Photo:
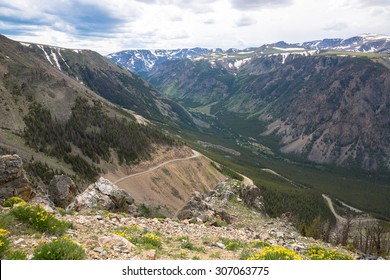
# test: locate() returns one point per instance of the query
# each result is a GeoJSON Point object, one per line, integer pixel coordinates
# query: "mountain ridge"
{"type": "Point", "coordinates": [142, 61]}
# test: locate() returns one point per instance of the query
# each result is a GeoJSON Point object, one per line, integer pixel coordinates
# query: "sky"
{"type": "Point", "coordinates": [108, 26]}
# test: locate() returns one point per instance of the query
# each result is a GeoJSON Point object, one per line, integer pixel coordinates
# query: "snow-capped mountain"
{"type": "Point", "coordinates": [142, 61]}
{"type": "Point", "coordinates": [363, 43]}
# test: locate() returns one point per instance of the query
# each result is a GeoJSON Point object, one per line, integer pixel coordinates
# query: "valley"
{"type": "Point", "coordinates": [325, 130]}
{"type": "Point", "coordinates": [261, 133]}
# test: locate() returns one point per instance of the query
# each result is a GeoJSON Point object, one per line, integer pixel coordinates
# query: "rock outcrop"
{"type": "Point", "coordinates": [104, 195]}
{"type": "Point", "coordinates": [195, 206]}
{"type": "Point", "coordinates": [13, 178]}
{"type": "Point", "coordinates": [207, 208]}
{"type": "Point", "coordinates": [62, 191]}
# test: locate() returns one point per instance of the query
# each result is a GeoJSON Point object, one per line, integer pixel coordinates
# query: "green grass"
{"type": "Point", "coordinates": [39, 219]}
{"type": "Point", "coordinates": [59, 249]}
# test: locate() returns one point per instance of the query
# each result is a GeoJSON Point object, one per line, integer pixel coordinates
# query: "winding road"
{"type": "Point", "coordinates": [195, 155]}
{"type": "Point", "coordinates": [330, 204]}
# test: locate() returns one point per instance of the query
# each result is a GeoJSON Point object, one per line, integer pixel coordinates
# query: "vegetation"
{"type": "Point", "coordinates": [62, 248]}
{"type": "Point", "coordinates": [232, 244]}
{"type": "Point", "coordinates": [319, 253]}
{"type": "Point", "coordinates": [276, 253]}
{"type": "Point", "coordinates": [227, 172]}
{"type": "Point", "coordinates": [10, 202]}
{"type": "Point", "coordinates": [187, 244]}
{"type": "Point", "coordinates": [140, 236]}
{"type": "Point", "coordinates": [39, 219]}
{"type": "Point", "coordinates": [94, 132]}
{"type": "Point", "coordinates": [4, 241]}
{"type": "Point", "coordinates": [16, 255]}
{"type": "Point", "coordinates": [38, 169]}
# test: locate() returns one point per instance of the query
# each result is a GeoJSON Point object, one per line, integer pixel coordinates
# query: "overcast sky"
{"type": "Point", "coordinates": [112, 25]}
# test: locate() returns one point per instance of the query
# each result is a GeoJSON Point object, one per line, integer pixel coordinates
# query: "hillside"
{"type": "Point", "coordinates": [55, 115]}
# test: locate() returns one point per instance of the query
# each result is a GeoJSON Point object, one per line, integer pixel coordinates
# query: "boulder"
{"type": "Point", "coordinates": [194, 207]}
{"type": "Point", "coordinates": [45, 203]}
{"type": "Point", "coordinates": [251, 196]}
{"type": "Point", "coordinates": [103, 195]}
{"type": "Point", "coordinates": [13, 178]}
{"type": "Point", "coordinates": [62, 191]}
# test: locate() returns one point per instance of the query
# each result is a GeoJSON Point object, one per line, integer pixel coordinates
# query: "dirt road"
{"type": "Point", "coordinates": [195, 155]}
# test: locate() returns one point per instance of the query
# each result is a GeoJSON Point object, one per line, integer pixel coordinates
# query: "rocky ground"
{"type": "Point", "coordinates": [228, 223]}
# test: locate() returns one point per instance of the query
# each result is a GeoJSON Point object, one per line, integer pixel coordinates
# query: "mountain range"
{"type": "Point", "coordinates": [142, 61]}
{"type": "Point", "coordinates": [326, 100]}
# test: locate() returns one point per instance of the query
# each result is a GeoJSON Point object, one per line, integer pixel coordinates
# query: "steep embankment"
{"type": "Point", "coordinates": [167, 185]}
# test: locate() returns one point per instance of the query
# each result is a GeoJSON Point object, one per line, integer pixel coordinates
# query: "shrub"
{"type": "Point", "coordinates": [151, 241]}
{"type": "Point", "coordinates": [139, 236]}
{"type": "Point", "coordinates": [16, 255]}
{"type": "Point", "coordinates": [319, 253]}
{"type": "Point", "coordinates": [232, 244]}
{"type": "Point", "coordinates": [275, 253]}
{"type": "Point", "coordinates": [218, 222]}
{"type": "Point", "coordinates": [10, 202]}
{"type": "Point", "coordinates": [4, 242]}
{"type": "Point", "coordinates": [260, 244]}
{"type": "Point", "coordinates": [38, 218]}
{"type": "Point", "coordinates": [59, 249]}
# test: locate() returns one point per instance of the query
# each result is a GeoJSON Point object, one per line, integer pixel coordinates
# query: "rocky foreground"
{"type": "Point", "coordinates": [228, 223]}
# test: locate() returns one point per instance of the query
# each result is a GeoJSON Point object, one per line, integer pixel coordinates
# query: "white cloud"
{"type": "Point", "coordinates": [107, 26]}
{"type": "Point", "coordinates": [245, 21]}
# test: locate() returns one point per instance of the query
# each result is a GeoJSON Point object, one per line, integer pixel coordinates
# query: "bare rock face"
{"type": "Point", "coordinates": [62, 191]}
{"type": "Point", "coordinates": [195, 207]}
{"type": "Point", "coordinates": [207, 208]}
{"type": "Point", "coordinates": [104, 195]}
{"type": "Point", "coordinates": [13, 179]}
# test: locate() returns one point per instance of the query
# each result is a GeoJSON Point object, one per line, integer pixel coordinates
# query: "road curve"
{"type": "Point", "coordinates": [195, 155]}
{"type": "Point", "coordinates": [330, 204]}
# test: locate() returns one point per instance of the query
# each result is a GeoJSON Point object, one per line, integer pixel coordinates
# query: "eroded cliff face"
{"type": "Point", "coordinates": [339, 113]}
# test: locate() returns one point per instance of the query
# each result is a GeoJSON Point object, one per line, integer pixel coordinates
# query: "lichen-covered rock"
{"type": "Point", "coordinates": [62, 190]}
{"type": "Point", "coordinates": [104, 195]}
{"type": "Point", "coordinates": [13, 178]}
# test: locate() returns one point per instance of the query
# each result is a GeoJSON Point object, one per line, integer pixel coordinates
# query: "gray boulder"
{"type": "Point", "coordinates": [194, 207]}
{"type": "Point", "coordinates": [251, 196]}
{"type": "Point", "coordinates": [104, 195]}
{"type": "Point", "coordinates": [62, 190]}
{"type": "Point", "coordinates": [13, 178]}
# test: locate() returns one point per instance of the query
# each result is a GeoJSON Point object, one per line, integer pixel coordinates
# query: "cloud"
{"type": "Point", "coordinates": [209, 21]}
{"type": "Point", "coordinates": [176, 18]}
{"type": "Point", "coordinates": [255, 4]}
{"type": "Point", "coordinates": [245, 21]}
{"type": "Point", "coordinates": [147, 1]}
{"type": "Point", "coordinates": [198, 7]}
{"type": "Point", "coordinates": [337, 26]}
{"type": "Point", "coordinates": [374, 2]}
{"type": "Point", "coordinates": [86, 19]}
{"type": "Point", "coordinates": [79, 18]}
